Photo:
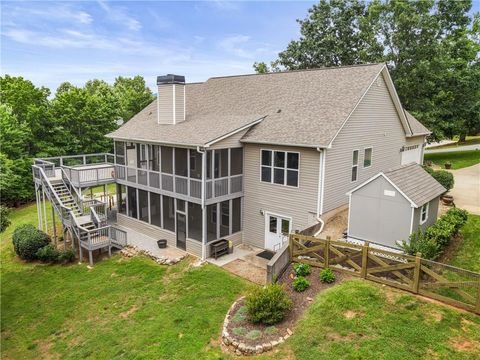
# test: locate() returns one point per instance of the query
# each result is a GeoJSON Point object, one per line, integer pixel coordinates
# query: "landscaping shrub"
{"type": "Point", "coordinates": [327, 276]}
{"type": "Point", "coordinates": [48, 254]}
{"type": "Point", "coordinates": [301, 269]}
{"type": "Point", "coordinates": [300, 284]}
{"type": "Point", "coordinates": [433, 241]}
{"type": "Point", "coordinates": [445, 178]}
{"type": "Point", "coordinates": [268, 305]}
{"type": "Point", "coordinates": [27, 240]}
{"type": "Point", "coordinates": [4, 218]}
{"type": "Point", "coordinates": [66, 257]}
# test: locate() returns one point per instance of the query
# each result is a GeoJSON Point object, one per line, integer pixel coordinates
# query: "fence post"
{"type": "Point", "coordinates": [477, 305]}
{"type": "Point", "coordinates": [364, 260]}
{"type": "Point", "coordinates": [327, 252]}
{"type": "Point", "coordinates": [416, 272]}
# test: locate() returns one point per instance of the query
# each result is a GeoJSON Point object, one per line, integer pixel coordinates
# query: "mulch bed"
{"type": "Point", "coordinates": [251, 334]}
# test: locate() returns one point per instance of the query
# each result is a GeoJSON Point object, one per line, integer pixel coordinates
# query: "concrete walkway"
{"type": "Point", "coordinates": [466, 191]}
{"type": "Point", "coordinates": [453, 149]}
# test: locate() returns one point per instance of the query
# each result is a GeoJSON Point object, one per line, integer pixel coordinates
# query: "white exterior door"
{"type": "Point", "coordinates": [277, 229]}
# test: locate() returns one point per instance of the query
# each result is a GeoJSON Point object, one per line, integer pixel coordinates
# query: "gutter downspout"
{"type": "Point", "coordinates": [204, 213]}
{"type": "Point", "coordinates": [320, 194]}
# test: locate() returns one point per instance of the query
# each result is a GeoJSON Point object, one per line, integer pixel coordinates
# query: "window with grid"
{"type": "Point", "coordinates": [367, 157]}
{"type": "Point", "coordinates": [280, 167]}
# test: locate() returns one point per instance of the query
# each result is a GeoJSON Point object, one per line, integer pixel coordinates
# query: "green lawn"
{"type": "Point", "coordinates": [459, 159]}
{"type": "Point", "coordinates": [359, 320]}
{"type": "Point", "coordinates": [134, 308]}
{"type": "Point", "coordinates": [467, 255]}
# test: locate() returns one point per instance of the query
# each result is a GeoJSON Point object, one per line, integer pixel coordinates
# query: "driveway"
{"type": "Point", "coordinates": [466, 191]}
{"type": "Point", "coordinates": [453, 149]}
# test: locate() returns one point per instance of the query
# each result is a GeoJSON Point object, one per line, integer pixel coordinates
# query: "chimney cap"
{"type": "Point", "coordinates": [170, 79]}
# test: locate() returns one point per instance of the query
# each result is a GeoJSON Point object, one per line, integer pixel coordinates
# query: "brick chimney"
{"type": "Point", "coordinates": [171, 99]}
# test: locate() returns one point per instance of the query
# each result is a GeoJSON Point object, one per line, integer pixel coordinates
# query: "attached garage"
{"type": "Point", "coordinates": [388, 207]}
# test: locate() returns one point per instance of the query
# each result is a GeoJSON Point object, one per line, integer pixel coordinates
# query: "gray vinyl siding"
{"type": "Point", "coordinates": [432, 215]}
{"type": "Point", "coordinates": [232, 141]}
{"type": "Point", "coordinates": [165, 104]}
{"type": "Point", "coordinates": [376, 217]}
{"type": "Point", "coordinates": [297, 203]}
{"type": "Point", "coordinates": [374, 123]}
{"type": "Point", "coordinates": [194, 247]}
{"type": "Point", "coordinates": [236, 239]}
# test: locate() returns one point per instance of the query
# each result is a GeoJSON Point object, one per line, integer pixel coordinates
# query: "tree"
{"type": "Point", "coordinates": [14, 135]}
{"type": "Point", "coordinates": [133, 95]}
{"type": "Point", "coordinates": [431, 48]}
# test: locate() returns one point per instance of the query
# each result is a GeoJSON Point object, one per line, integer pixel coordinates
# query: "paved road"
{"type": "Point", "coordinates": [466, 191]}
{"type": "Point", "coordinates": [460, 148]}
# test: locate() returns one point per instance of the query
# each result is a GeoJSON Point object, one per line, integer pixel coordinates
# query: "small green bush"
{"type": "Point", "coordinates": [253, 334]}
{"type": "Point", "coordinates": [66, 257]}
{"type": "Point", "coordinates": [4, 218]}
{"type": "Point", "coordinates": [271, 330]}
{"type": "Point", "coordinates": [300, 284]}
{"type": "Point", "coordinates": [327, 276]}
{"type": "Point", "coordinates": [301, 269]}
{"type": "Point", "coordinates": [48, 254]}
{"type": "Point", "coordinates": [27, 240]}
{"type": "Point", "coordinates": [419, 243]}
{"type": "Point", "coordinates": [268, 305]}
{"type": "Point", "coordinates": [239, 331]}
{"type": "Point", "coordinates": [445, 178]}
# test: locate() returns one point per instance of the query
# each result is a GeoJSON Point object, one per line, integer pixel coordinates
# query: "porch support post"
{"type": "Point", "coordinates": [204, 209]}
{"type": "Point", "coordinates": [45, 211]}
{"type": "Point", "coordinates": [54, 227]}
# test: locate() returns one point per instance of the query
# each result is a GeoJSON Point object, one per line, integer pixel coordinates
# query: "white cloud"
{"type": "Point", "coordinates": [232, 44]}
{"type": "Point", "coordinates": [62, 13]}
{"type": "Point", "coordinates": [120, 16]}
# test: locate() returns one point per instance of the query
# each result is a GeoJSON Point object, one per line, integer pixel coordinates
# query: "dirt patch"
{"type": "Point", "coordinates": [334, 336]}
{"type": "Point", "coordinates": [349, 314]}
{"type": "Point", "coordinates": [44, 347]}
{"type": "Point", "coordinates": [240, 328]}
{"type": "Point", "coordinates": [466, 324]}
{"type": "Point", "coordinates": [247, 271]}
{"type": "Point", "coordinates": [335, 226]}
{"type": "Point", "coordinates": [463, 345]}
{"type": "Point", "coordinates": [436, 316]}
{"type": "Point", "coordinates": [451, 250]}
{"type": "Point", "coordinates": [129, 312]}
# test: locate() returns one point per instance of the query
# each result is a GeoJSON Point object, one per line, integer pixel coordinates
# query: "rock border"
{"type": "Point", "coordinates": [238, 346]}
{"type": "Point", "coordinates": [130, 251]}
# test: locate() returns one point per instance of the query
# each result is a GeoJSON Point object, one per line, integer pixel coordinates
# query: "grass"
{"type": "Point", "coordinates": [360, 320]}
{"type": "Point", "coordinates": [458, 159]}
{"type": "Point", "coordinates": [468, 253]}
{"type": "Point", "coordinates": [470, 140]}
{"type": "Point", "coordinates": [134, 308]}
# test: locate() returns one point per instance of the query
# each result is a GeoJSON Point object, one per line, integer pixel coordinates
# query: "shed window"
{"type": "Point", "coordinates": [280, 167]}
{"type": "Point", "coordinates": [355, 165]}
{"type": "Point", "coordinates": [424, 213]}
{"type": "Point", "coordinates": [367, 157]}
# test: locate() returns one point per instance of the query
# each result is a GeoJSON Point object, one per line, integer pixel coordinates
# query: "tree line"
{"type": "Point", "coordinates": [431, 48]}
{"type": "Point", "coordinates": [73, 121]}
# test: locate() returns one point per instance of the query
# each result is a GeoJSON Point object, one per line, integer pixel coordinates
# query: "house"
{"type": "Point", "coordinates": [391, 205]}
{"type": "Point", "coordinates": [251, 158]}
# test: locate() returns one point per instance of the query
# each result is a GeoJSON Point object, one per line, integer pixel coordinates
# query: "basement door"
{"type": "Point", "coordinates": [277, 229]}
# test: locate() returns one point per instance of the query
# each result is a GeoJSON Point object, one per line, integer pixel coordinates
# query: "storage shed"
{"type": "Point", "coordinates": [391, 205]}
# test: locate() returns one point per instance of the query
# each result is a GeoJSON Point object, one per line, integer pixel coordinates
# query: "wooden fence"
{"type": "Point", "coordinates": [442, 282]}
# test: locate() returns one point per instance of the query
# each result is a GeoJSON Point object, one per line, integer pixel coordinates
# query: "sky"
{"type": "Point", "coordinates": [51, 42]}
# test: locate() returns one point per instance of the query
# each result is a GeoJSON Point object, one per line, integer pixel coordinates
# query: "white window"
{"type": "Point", "coordinates": [367, 157]}
{"type": "Point", "coordinates": [280, 167]}
{"type": "Point", "coordinates": [355, 165]}
{"type": "Point", "coordinates": [424, 213]}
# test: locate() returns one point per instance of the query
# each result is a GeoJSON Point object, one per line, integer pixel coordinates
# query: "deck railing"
{"type": "Point", "coordinates": [180, 184]}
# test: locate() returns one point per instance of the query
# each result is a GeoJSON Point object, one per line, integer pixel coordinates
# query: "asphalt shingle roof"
{"type": "Point", "coordinates": [418, 185]}
{"type": "Point", "coordinates": [304, 108]}
{"type": "Point", "coordinates": [416, 126]}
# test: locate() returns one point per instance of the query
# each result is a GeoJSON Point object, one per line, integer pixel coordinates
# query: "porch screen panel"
{"type": "Point", "coordinates": [154, 157]}
{"type": "Point", "coordinates": [122, 199]}
{"type": "Point", "coordinates": [155, 209]}
{"type": "Point", "coordinates": [168, 213]}
{"type": "Point", "coordinates": [195, 164]}
{"type": "Point", "coordinates": [211, 222]}
{"type": "Point", "coordinates": [132, 202]}
{"type": "Point", "coordinates": [167, 159]}
{"type": "Point", "coordinates": [225, 218]}
{"type": "Point", "coordinates": [236, 161]}
{"type": "Point", "coordinates": [181, 162]}
{"type": "Point", "coordinates": [143, 205]}
{"type": "Point", "coordinates": [221, 163]}
{"type": "Point", "coordinates": [120, 152]}
{"type": "Point", "coordinates": [142, 156]}
{"type": "Point", "coordinates": [236, 215]}
{"type": "Point", "coordinates": [194, 221]}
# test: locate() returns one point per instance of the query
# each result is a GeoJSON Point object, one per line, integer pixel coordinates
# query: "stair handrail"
{"type": "Point", "coordinates": [79, 195]}
{"type": "Point", "coordinates": [94, 217]}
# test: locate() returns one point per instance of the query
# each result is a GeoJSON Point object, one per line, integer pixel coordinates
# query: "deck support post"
{"type": "Point", "coordinates": [45, 211]}
{"type": "Point", "coordinates": [80, 252]}
{"type": "Point", "coordinates": [54, 227]}
{"type": "Point", "coordinates": [90, 257]}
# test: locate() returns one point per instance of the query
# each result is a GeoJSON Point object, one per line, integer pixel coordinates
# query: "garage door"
{"type": "Point", "coordinates": [412, 153]}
